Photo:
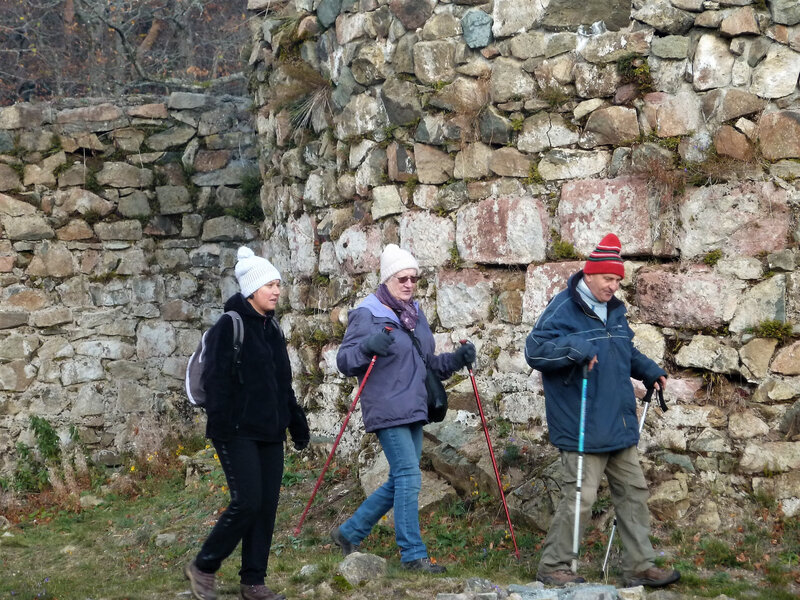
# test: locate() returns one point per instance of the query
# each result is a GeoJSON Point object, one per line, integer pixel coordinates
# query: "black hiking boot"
{"type": "Point", "coordinates": [346, 545]}
{"type": "Point", "coordinates": [424, 565]}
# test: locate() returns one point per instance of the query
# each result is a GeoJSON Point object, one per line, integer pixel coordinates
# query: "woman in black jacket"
{"type": "Point", "coordinates": [249, 407]}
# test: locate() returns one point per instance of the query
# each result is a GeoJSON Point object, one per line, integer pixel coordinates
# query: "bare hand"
{"type": "Point", "coordinates": [661, 382]}
{"type": "Point", "coordinates": [593, 362]}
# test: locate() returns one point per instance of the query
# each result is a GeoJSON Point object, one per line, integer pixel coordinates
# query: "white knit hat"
{"type": "Point", "coordinates": [253, 271]}
{"type": "Point", "coordinates": [394, 259]}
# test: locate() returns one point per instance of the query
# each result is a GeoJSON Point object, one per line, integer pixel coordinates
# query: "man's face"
{"type": "Point", "coordinates": [602, 285]}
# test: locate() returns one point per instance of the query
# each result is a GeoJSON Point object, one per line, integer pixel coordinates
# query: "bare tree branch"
{"type": "Point", "coordinates": [79, 47]}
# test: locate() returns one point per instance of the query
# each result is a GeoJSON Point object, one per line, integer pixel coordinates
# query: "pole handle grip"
{"type": "Point", "coordinates": [469, 365]}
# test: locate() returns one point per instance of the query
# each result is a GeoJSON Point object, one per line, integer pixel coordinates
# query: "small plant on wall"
{"type": "Point", "coordinates": [562, 249]}
{"type": "Point", "coordinates": [712, 258]}
{"type": "Point", "coordinates": [775, 329]}
{"type": "Point", "coordinates": [304, 92]}
{"type": "Point", "coordinates": [635, 69]}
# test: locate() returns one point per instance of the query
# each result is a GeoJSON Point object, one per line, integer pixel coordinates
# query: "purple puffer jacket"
{"type": "Point", "coordinates": [395, 391]}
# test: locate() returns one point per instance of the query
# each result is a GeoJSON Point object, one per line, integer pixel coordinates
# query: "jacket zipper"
{"type": "Point", "coordinates": [246, 397]}
{"type": "Point", "coordinates": [266, 323]}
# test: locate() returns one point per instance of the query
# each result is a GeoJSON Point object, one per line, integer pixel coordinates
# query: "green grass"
{"type": "Point", "coordinates": [59, 551]}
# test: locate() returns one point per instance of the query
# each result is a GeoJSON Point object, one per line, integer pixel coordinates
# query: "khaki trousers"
{"type": "Point", "coordinates": [628, 494]}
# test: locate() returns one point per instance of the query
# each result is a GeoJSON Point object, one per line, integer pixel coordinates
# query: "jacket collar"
{"type": "Point", "coordinates": [572, 285]}
{"type": "Point", "coordinates": [240, 304]}
{"type": "Point", "coordinates": [380, 310]}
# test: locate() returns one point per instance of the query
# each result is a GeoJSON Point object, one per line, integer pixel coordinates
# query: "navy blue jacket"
{"type": "Point", "coordinates": [260, 404]}
{"type": "Point", "coordinates": [567, 336]}
{"type": "Point", "coordinates": [395, 390]}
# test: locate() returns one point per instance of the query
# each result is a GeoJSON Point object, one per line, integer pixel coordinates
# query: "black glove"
{"type": "Point", "coordinates": [651, 382]}
{"type": "Point", "coordinates": [298, 427]}
{"type": "Point", "coordinates": [466, 354]}
{"type": "Point", "coordinates": [377, 344]}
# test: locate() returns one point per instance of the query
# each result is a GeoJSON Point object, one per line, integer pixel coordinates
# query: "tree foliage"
{"type": "Point", "coordinates": [116, 47]}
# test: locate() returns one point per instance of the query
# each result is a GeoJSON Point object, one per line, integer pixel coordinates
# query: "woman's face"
{"type": "Point", "coordinates": [266, 297]}
{"type": "Point", "coordinates": [402, 284]}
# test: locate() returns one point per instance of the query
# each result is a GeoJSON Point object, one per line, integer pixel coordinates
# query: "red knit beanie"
{"type": "Point", "coordinates": [606, 258]}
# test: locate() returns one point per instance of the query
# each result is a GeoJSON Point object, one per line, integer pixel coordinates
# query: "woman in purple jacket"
{"type": "Point", "coordinates": [394, 400]}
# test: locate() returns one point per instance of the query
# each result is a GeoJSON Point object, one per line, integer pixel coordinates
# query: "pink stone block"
{"type": "Point", "coordinates": [696, 298]}
{"type": "Point", "coordinates": [591, 208]}
{"type": "Point", "coordinates": [505, 230]}
{"type": "Point", "coordinates": [542, 282]}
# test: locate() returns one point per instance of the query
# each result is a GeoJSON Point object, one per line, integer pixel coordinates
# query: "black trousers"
{"type": "Point", "coordinates": [254, 471]}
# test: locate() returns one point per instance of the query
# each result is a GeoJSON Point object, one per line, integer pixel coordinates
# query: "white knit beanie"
{"type": "Point", "coordinates": [253, 271]}
{"type": "Point", "coordinates": [394, 259]}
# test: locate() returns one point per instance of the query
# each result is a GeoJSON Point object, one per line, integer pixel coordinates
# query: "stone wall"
{"type": "Point", "coordinates": [119, 231]}
{"type": "Point", "coordinates": [499, 142]}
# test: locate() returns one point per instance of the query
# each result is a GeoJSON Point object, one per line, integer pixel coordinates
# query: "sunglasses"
{"type": "Point", "coordinates": [413, 278]}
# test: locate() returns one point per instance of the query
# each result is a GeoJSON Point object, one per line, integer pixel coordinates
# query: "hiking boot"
{"type": "Point", "coordinates": [559, 577]}
{"type": "Point", "coordinates": [258, 592]}
{"type": "Point", "coordinates": [423, 565]}
{"type": "Point", "coordinates": [203, 584]}
{"type": "Point", "coordinates": [653, 577]}
{"type": "Point", "coordinates": [346, 545]}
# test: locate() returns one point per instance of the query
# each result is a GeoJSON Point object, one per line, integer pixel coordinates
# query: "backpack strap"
{"type": "Point", "coordinates": [275, 324]}
{"type": "Point", "coordinates": [238, 340]}
{"type": "Point", "coordinates": [416, 343]}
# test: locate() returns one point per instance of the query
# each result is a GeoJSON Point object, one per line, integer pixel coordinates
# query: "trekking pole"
{"type": "Point", "coordinates": [491, 453]}
{"type": "Point", "coordinates": [579, 479]}
{"type": "Point", "coordinates": [338, 438]}
{"type": "Point", "coordinates": [646, 401]}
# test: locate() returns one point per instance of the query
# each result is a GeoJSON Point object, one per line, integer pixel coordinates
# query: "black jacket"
{"type": "Point", "coordinates": [254, 401]}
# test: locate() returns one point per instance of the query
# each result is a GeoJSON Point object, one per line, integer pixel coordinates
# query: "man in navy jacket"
{"type": "Point", "coordinates": [585, 324]}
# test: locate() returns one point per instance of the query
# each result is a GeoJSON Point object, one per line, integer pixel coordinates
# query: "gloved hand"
{"type": "Point", "coordinates": [661, 380]}
{"type": "Point", "coordinates": [298, 427]}
{"type": "Point", "coordinates": [466, 354]}
{"type": "Point", "coordinates": [377, 343]}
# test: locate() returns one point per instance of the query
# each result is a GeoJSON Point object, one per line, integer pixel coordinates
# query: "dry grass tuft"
{"type": "Point", "coordinates": [303, 91]}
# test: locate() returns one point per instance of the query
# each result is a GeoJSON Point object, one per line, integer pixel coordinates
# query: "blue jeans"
{"type": "Point", "coordinates": [403, 447]}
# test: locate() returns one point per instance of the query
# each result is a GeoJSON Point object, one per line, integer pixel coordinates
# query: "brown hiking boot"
{"type": "Point", "coordinates": [653, 577]}
{"type": "Point", "coordinates": [559, 577]}
{"type": "Point", "coordinates": [258, 592]}
{"type": "Point", "coordinates": [203, 584]}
